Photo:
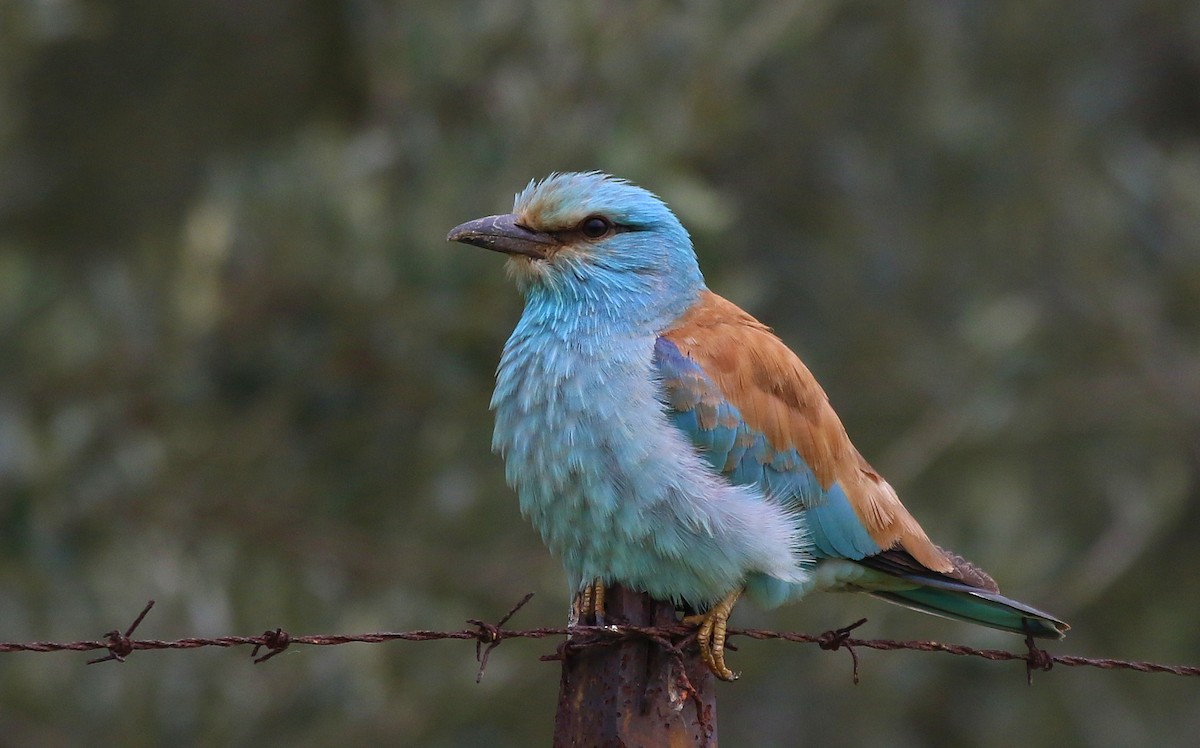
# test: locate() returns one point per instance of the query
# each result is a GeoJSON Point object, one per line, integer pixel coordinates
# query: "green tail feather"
{"type": "Point", "coordinates": [965, 603]}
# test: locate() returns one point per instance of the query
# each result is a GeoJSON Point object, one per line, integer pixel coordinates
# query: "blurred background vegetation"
{"type": "Point", "coordinates": [242, 373]}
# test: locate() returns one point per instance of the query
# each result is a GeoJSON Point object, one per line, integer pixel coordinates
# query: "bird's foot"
{"type": "Point", "coordinates": [588, 606]}
{"type": "Point", "coordinates": [711, 636]}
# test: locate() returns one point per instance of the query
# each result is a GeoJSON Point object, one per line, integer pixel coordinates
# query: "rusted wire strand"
{"type": "Point", "coordinates": [488, 636]}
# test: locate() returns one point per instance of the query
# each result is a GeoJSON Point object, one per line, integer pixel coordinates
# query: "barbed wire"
{"type": "Point", "coordinates": [487, 636]}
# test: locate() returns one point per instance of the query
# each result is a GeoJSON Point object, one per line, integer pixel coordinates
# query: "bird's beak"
{"type": "Point", "coordinates": [503, 234]}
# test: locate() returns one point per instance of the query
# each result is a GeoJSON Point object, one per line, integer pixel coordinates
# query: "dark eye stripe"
{"type": "Point", "coordinates": [593, 227]}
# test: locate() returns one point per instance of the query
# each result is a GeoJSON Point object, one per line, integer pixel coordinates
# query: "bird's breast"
{"type": "Point", "coordinates": [616, 491]}
{"type": "Point", "coordinates": [568, 414]}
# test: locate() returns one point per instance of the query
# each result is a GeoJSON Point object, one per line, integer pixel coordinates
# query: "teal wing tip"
{"type": "Point", "coordinates": [1036, 623]}
{"type": "Point", "coordinates": [956, 601]}
{"type": "Point", "coordinates": [1046, 628]}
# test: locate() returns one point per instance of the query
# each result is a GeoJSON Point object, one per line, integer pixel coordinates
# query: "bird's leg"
{"type": "Point", "coordinates": [589, 603]}
{"type": "Point", "coordinates": [711, 637]}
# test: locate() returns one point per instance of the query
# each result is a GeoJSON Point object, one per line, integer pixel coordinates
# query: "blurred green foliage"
{"type": "Point", "coordinates": [242, 373]}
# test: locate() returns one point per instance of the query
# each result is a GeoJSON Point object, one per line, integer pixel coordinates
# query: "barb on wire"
{"type": "Point", "coordinates": [832, 641]}
{"type": "Point", "coordinates": [1036, 658]}
{"type": "Point", "coordinates": [673, 639]}
{"type": "Point", "coordinates": [119, 646]}
{"type": "Point", "coordinates": [492, 634]}
{"type": "Point", "coordinates": [275, 641]}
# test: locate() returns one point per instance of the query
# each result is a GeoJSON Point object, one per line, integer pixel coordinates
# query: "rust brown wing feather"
{"type": "Point", "coordinates": [779, 397]}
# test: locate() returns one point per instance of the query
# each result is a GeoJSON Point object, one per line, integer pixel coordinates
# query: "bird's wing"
{"type": "Point", "coordinates": [757, 414]}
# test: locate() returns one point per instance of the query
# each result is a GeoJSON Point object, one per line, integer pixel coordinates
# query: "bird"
{"type": "Point", "coordinates": [661, 438]}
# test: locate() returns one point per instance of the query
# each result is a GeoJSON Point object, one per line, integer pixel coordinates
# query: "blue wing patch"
{"type": "Point", "coordinates": [715, 426]}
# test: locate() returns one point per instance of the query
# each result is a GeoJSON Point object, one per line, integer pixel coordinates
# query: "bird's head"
{"type": "Point", "coordinates": [574, 232]}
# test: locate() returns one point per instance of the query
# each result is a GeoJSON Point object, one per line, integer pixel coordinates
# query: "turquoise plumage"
{"type": "Point", "coordinates": [661, 438]}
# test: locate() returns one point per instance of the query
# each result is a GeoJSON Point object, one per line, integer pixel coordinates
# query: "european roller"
{"type": "Point", "coordinates": [661, 438]}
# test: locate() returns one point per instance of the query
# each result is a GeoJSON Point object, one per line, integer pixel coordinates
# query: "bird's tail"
{"type": "Point", "coordinates": [980, 602]}
{"type": "Point", "coordinates": [977, 606]}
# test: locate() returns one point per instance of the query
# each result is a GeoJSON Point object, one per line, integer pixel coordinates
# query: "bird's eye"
{"type": "Point", "coordinates": [594, 227]}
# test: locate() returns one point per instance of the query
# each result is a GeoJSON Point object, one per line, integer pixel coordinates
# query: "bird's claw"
{"type": "Point", "coordinates": [588, 605]}
{"type": "Point", "coordinates": [711, 636]}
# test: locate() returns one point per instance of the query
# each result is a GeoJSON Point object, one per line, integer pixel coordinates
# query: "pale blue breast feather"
{"type": "Point", "coordinates": [716, 427]}
{"type": "Point", "coordinates": [616, 491]}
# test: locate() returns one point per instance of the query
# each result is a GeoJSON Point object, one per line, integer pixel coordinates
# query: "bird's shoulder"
{"type": "Point", "coordinates": [777, 396]}
{"type": "Point", "coordinates": [775, 392]}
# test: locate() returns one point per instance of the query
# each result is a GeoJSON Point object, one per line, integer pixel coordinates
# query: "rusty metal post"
{"type": "Point", "coordinates": [631, 693]}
